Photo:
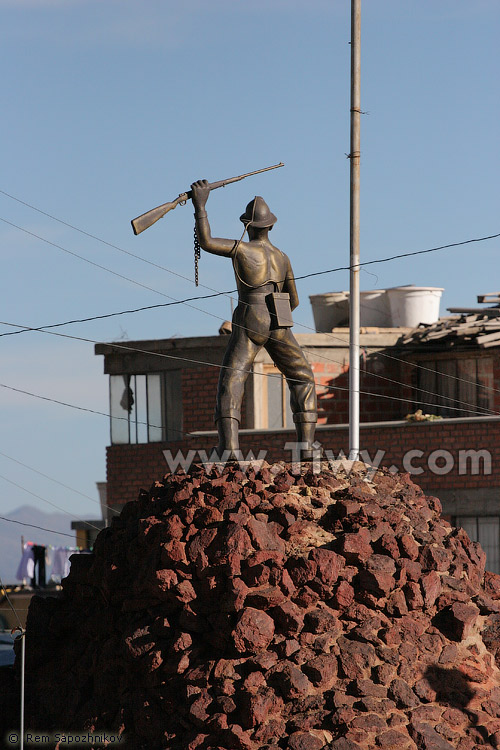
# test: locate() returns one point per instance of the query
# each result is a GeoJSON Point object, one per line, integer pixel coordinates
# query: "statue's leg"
{"type": "Point", "coordinates": [291, 361]}
{"type": "Point", "coordinates": [236, 365]}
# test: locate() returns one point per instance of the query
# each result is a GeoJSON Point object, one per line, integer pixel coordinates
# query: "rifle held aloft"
{"type": "Point", "coordinates": [144, 221]}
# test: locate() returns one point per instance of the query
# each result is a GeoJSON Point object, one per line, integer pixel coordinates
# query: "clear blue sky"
{"type": "Point", "coordinates": [110, 108]}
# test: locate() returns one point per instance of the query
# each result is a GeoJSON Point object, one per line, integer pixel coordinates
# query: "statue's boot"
{"type": "Point", "coordinates": [227, 427]}
{"type": "Point", "coordinates": [305, 427]}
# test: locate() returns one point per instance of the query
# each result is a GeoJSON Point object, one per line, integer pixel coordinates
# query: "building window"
{"type": "Point", "coordinates": [486, 531]}
{"type": "Point", "coordinates": [276, 411]}
{"type": "Point", "coordinates": [443, 383]}
{"type": "Point", "coordinates": [146, 408]}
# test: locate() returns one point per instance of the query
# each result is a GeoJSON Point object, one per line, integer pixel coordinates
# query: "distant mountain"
{"type": "Point", "coordinates": [10, 536]}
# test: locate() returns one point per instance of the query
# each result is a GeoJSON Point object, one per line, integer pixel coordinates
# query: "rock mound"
{"type": "Point", "coordinates": [263, 609]}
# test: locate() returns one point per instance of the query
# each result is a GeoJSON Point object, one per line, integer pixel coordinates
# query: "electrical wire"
{"type": "Point", "coordinates": [221, 367]}
{"type": "Point", "coordinates": [216, 294]}
{"type": "Point", "coordinates": [322, 356]}
{"type": "Point", "coordinates": [49, 502]}
{"type": "Point", "coordinates": [56, 481]}
{"type": "Point", "coordinates": [297, 278]}
{"type": "Point", "coordinates": [484, 410]}
{"type": "Point", "coordinates": [33, 526]}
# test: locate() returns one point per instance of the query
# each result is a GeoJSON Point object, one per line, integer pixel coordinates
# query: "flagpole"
{"type": "Point", "coordinates": [354, 257]}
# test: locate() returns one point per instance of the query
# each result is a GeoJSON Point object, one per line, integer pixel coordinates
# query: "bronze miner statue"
{"type": "Point", "coordinates": [266, 296]}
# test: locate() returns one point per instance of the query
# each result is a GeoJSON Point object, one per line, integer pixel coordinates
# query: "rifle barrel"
{"type": "Point", "coordinates": [223, 183]}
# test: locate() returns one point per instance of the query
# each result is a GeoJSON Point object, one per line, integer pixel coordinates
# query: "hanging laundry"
{"type": "Point", "coordinates": [26, 567]}
{"type": "Point", "coordinates": [61, 563]}
{"type": "Point", "coordinates": [39, 560]}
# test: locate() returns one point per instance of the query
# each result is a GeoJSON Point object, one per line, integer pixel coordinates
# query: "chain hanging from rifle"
{"type": "Point", "coordinates": [197, 255]}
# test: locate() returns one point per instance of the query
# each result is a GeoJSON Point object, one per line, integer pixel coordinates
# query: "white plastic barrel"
{"type": "Point", "coordinates": [374, 309]}
{"type": "Point", "coordinates": [411, 305]}
{"type": "Point", "coordinates": [330, 310]}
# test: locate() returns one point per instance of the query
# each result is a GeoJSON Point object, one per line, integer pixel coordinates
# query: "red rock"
{"type": "Point", "coordinates": [321, 670]}
{"type": "Point", "coordinates": [288, 617]}
{"type": "Point", "coordinates": [387, 544]}
{"type": "Point", "coordinates": [393, 740]}
{"type": "Point", "coordinates": [377, 583]}
{"type": "Point", "coordinates": [166, 579]}
{"type": "Point", "coordinates": [367, 688]}
{"type": "Point", "coordinates": [356, 658]}
{"type": "Point", "coordinates": [184, 591]}
{"type": "Point", "coordinates": [301, 570]}
{"type": "Point", "coordinates": [321, 621]}
{"type": "Point", "coordinates": [434, 557]}
{"type": "Point", "coordinates": [492, 584]}
{"type": "Point", "coordinates": [233, 599]}
{"type": "Point", "coordinates": [200, 542]}
{"type": "Point", "coordinates": [328, 563]}
{"type": "Point", "coordinates": [304, 741]}
{"type": "Point", "coordinates": [427, 738]}
{"type": "Point", "coordinates": [344, 595]}
{"type": "Point", "coordinates": [286, 583]}
{"type": "Point", "coordinates": [381, 564]}
{"type": "Point", "coordinates": [173, 552]}
{"type": "Point", "coordinates": [431, 585]}
{"type": "Point", "coordinates": [409, 547]}
{"type": "Point", "coordinates": [412, 569]}
{"type": "Point", "coordinates": [464, 619]}
{"type": "Point", "coordinates": [254, 630]}
{"type": "Point", "coordinates": [402, 694]}
{"type": "Point", "coordinates": [257, 707]}
{"type": "Point", "coordinates": [413, 595]}
{"type": "Point", "coordinates": [305, 597]}
{"type": "Point", "coordinates": [273, 729]}
{"type": "Point", "coordinates": [370, 723]}
{"type": "Point", "coordinates": [237, 739]}
{"type": "Point", "coordinates": [356, 547]}
{"type": "Point", "coordinates": [198, 709]}
{"type": "Point", "coordinates": [264, 536]}
{"type": "Point", "coordinates": [345, 744]}
{"type": "Point", "coordinates": [424, 691]}
{"type": "Point", "coordinates": [264, 597]}
{"type": "Point", "coordinates": [287, 648]}
{"type": "Point", "coordinates": [290, 681]}
{"type": "Point", "coordinates": [257, 575]}
{"type": "Point", "coordinates": [396, 604]}
{"type": "Point", "coordinates": [384, 673]}
{"type": "Point", "coordinates": [236, 540]}
{"type": "Point", "coordinates": [207, 516]}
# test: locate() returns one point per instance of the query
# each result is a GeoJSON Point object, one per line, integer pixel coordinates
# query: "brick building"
{"type": "Point", "coordinates": [162, 396]}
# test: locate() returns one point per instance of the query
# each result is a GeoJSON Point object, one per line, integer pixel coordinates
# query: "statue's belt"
{"type": "Point", "coordinates": [278, 304]}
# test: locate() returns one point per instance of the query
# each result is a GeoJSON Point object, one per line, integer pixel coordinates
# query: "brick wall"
{"type": "Point", "coordinates": [132, 467]}
{"type": "Point", "coordinates": [382, 395]}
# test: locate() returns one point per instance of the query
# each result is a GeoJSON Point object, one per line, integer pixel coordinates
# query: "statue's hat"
{"type": "Point", "coordinates": [257, 214]}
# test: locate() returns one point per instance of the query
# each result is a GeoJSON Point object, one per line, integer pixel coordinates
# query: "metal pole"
{"type": "Point", "coordinates": [23, 668]}
{"type": "Point", "coordinates": [354, 319]}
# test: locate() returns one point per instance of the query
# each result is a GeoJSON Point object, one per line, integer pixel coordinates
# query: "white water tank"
{"type": "Point", "coordinates": [410, 305]}
{"type": "Point", "coordinates": [330, 310]}
{"type": "Point", "coordinates": [374, 309]}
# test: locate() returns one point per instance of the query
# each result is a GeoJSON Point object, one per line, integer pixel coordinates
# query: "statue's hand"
{"type": "Point", "coordinates": [200, 192]}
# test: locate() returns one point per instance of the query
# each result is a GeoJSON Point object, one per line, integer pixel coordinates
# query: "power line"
{"type": "Point", "coordinates": [219, 366]}
{"type": "Point", "coordinates": [484, 410]}
{"type": "Point", "coordinates": [297, 278]}
{"type": "Point", "coordinates": [43, 499]}
{"type": "Point", "coordinates": [56, 481]}
{"type": "Point", "coordinates": [99, 239]}
{"type": "Point", "coordinates": [216, 294]}
{"type": "Point", "coordinates": [33, 526]}
{"type": "Point", "coordinates": [327, 359]}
